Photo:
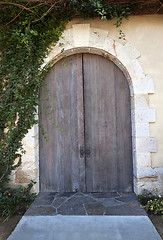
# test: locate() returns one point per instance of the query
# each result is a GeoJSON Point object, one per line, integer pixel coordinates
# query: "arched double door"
{"type": "Point", "coordinates": [85, 114]}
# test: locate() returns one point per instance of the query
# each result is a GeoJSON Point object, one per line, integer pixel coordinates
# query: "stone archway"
{"type": "Point", "coordinates": [81, 37]}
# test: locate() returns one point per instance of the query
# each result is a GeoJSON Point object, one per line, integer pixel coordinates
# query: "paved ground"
{"type": "Point", "coordinates": [86, 204]}
{"type": "Point", "coordinates": [85, 216]}
{"type": "Point", "coordinates": [85, 228]}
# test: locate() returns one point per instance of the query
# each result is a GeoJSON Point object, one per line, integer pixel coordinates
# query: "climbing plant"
{"type": "Point", "coordinates": [28, 29]}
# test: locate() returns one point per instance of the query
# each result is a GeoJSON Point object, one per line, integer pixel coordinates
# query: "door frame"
{"type": "Point", "coordinates": [140, 84]}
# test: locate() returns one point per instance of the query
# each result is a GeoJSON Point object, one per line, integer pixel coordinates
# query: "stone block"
{"type": "Point", "coordinates": [147, 187]}
{"type": "Point", "coordinates": [144, 86]}
{"type": "Point", "coordinates": [28, 142]}
{"type": "Point", "coordinates": [24, 176]}
{"type": "Point", "coordinates": [97, 37]}
{"type": "Point", "coordinates": [140, 101]}
{"type": "Point", "coordinates": [135, 70]}
{"type": "Point", "coordinates": [112, 46]}
{"type": "Point", "coordinates": [131, 51]}
{"type": "Point", "coordinates": [67, 40]}
{"type": "Point", "coordinates": [81, 34]}
{"type": "Point", "coordinates": [127, 53]}
{"type": "Point", "coordinates": [147, 173]}
{"type": "Point", "coordinates": [143, 160]}
{"type": "Point", "coordinates": [143, 115]}
{"type": "Point", "coordinates": [140, 129]}
{"type": "Point", "coordinates": [145, 145]}
{"type": "Point", "coordinates": [28, 164]}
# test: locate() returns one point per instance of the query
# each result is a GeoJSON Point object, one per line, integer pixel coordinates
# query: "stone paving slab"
{"type": "Point", "coordinates": [85, 228]}
{"type": "Point", "coordinates": [51, 203]}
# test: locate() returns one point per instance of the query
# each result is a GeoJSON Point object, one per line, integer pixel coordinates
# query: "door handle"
{"type": "Point", "coordinates": [82, 152]}
{"type": "Point", "coordinates": [87, 153]}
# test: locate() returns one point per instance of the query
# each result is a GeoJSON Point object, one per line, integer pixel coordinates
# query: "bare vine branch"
{"type": "Point", "coordinates": [161, 5]}
{"type": "Point", "coordinates": [16, 16]}
{"type": "Point", "coordinates": [17, 5]}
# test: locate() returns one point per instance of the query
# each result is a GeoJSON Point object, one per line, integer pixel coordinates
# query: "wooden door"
{"type": "Point", "coordinates": [90, 101]}
{"type": "Point", "coordinates": [107, 126]}
{"type": "Point", "coordinates": [61, 117]}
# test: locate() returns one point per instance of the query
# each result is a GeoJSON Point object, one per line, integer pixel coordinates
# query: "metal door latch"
{"type": "Point", "coordinates": [87, 153]}
{"type": "Point", "coordinates": [82, 152]}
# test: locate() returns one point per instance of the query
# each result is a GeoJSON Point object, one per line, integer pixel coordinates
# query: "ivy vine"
{"type": "Point", "coordinates": [27, 31]}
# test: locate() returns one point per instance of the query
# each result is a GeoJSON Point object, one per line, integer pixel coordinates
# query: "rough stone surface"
{"type": "Point", "coordinates": [94, 209]}
{"type": "Point", "coordinates": [81, 34]}
{"type": "Point", "coordinates": [97, 37]}
{"type": "Point", "coordinates": [130, 51]}
{"type": "Point", "coordinates": [127, 198]}
{"type": "Point", "coordinates": [109, 202]}
{"type": "Point", "coordinates": [143, 115]}
{"type": "Point", "coordinates": [41, 211]}
{"type": "Point", "coordinates": [85, 204]}
{"type": "Point", "coordinates": [104, 195]}
{"type": "Point", "coordinates": [147, 172]}
{"type": "Point", "coordinates": [140, 129]}
{"type": "Point", "coordinates": [140, 101]}
{"type": "Point", "coordinates": [145, 145]}
{"type": "Point", "coordinates": [112, 46]}
{"type": "Point", "coordinates": [135, 70]}
{"type": "Point", "coordinates": [125, 210]}
{"type": "Point", "coordinates": [24, 176]}
{"type": "Point", "coordinates": [143, 160]}
{"type": "Point", "coordinates": [144, 86]}
{"type": "Point", "coordinates": [59, 201]}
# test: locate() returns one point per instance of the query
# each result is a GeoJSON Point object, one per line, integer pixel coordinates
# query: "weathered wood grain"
{"type": "Point", "coordinates": [90, 103]}
{"type": "Point", "coordinates": [107, 126]}
{"type": "Point", "coordinates": [123, 121]}
{"type": "Point", "coordinates": [61, 168]}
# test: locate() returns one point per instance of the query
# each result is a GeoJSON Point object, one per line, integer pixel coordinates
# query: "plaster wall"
{"type": "Point", "coordinates": [142, 55]}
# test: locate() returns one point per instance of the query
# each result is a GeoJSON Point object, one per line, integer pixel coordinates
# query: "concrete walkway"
{"type": "Point", "coordinates": [85, 228]}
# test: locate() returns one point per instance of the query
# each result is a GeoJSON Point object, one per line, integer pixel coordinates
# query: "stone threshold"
{"type": "Point", "coordinates": [110, 204]}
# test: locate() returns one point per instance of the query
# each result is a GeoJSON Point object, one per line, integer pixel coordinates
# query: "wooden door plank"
{"type": "Point", "coordinates": [107, 126]}
{"type": "Point", "coordinates": [80, 116]}
{"type": "Point", "coordinates": [124, 146]}
{"type": "Point", "coordinates": [61, 168]}
{"type": "Point", "coordinates": [100, 123]}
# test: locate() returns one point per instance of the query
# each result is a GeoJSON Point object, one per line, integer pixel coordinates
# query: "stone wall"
{"type": "Point", "coordinates": [101, 37]}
